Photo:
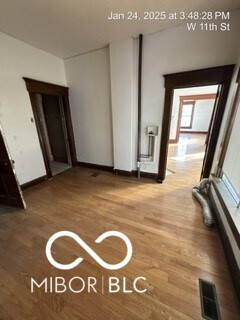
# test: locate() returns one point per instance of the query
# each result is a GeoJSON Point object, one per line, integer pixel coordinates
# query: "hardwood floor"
{"type": "Point", "coordinates": [172, 248]}
{"type": "Point", "coordinates": [185, 158]}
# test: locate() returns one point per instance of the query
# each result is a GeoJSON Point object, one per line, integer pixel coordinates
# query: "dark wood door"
{"type": "Point", "coordinates": [53, 118]}
{"type": "Point", "coordinates": [10, 191]}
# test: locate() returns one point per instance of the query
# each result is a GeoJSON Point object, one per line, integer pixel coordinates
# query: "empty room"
{"type": "Point", "coordinates": [119, 160]}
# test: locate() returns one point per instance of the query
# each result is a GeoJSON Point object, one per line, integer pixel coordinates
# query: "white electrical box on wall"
{"type": "Point", "coordinates": [152, 131]}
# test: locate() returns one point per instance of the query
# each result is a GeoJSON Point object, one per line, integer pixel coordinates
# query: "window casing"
{"type": "Point", "coordinates": [187, 113]}
{"type": "Point", "coordinates": [231, 165]}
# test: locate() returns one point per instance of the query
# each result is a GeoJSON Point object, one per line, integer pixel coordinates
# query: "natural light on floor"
{"type": "Point", "coordinates": [188, 157]}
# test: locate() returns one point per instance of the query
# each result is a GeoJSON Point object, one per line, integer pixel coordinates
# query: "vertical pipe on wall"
{"type": "Point", "coordinates": [139, 104]}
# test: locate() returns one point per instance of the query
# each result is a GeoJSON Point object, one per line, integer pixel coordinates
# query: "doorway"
{"type": "Point", "coordinates": [192, 110]}
{"type": "Point", "coordinates": [52, 116]}
{"type": "Point", "coordinates": [220, 76]}
{"type": "Point", "coordinates": [54, 131]}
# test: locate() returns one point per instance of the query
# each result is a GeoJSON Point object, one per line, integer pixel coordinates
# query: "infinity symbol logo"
{"type": "Point", "coordinates": [89, 250]}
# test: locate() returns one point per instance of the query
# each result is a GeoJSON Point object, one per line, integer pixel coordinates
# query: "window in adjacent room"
{"type": "Point", "coordinates": [187, 114]}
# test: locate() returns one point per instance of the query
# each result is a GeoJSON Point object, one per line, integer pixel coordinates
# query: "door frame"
{"type": "Point", "coordinates": [35, 87]}
{"type": "Point", "coordinates": [203, 77]}
{"type": "Point", "coordinates": [180, 109]}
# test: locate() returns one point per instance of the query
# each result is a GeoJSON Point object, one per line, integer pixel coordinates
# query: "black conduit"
{"type": "Point", "coordinates": [139, 103]}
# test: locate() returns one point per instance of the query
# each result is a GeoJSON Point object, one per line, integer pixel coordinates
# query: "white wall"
{"type": "Point", "coordinates": [88, 77]}
{"type": "Point", "coordinates": [169, 51]}
{"type": "Point", "coordinates": [202, 115]}
{"type": "Point", "coordinates": [122, 89]}
{"type": "Point", "coordinates": [18, 59]}
{"type": "Point", "coordinates": [177, 50]}
{"type": "Point", "coordinates": [175, 105]}
{"type": "Point", "coordinates": [165, 52]}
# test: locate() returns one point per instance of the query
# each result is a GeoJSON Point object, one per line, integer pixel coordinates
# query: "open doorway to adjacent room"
{"type": "Point", "coordinates": [220, 77]}
{"type": "Point", "coordinates": [51, 109]}
{"type": "Point", "coordinates": [192, 111]}
{"type": "Point", "coordinates": [53, 122]}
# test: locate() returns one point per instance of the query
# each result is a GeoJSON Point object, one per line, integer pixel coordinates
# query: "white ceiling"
{"type": "Point", "coordinates": [69, 27]}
